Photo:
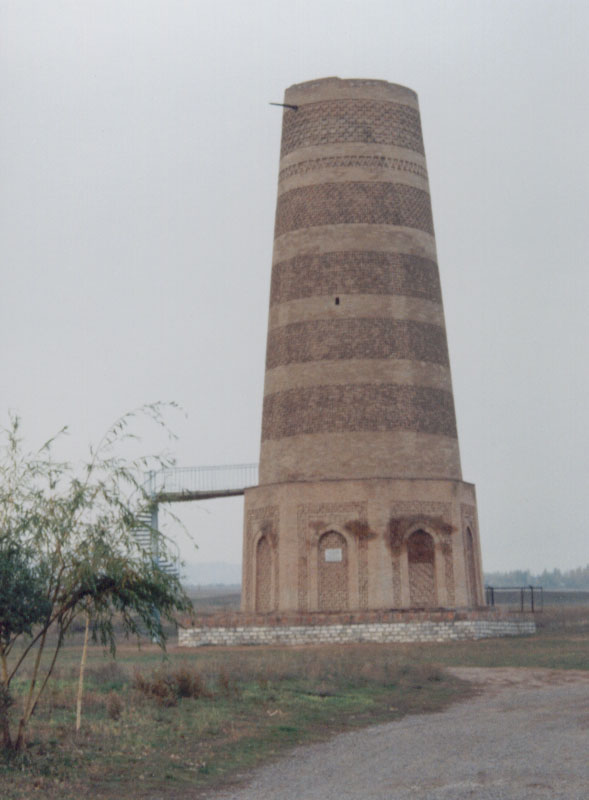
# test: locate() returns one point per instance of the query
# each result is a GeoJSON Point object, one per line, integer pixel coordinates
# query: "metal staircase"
{"type": "Point", "coordinates": [148, 538]}
{"type": "Point", "coordinates": [181, 484]}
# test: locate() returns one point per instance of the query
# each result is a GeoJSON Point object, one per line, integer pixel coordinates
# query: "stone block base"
{"type": "Point", "coordinates": [386, 627]}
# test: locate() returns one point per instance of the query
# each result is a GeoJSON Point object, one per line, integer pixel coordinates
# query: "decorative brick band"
{"type": "Point", "coordinates": [363, 337]}
{"type": "Point", "coordinates": [337, 121]}
{"type": "Point", "coordinates": [355, 272]}
{"type": "Point", "coordinates": [428, 631]}
{"type": "Point", "coordinates": [358, 407]}
{"type": "Point", "coordinates": [354, 202]}
{"type": "Point", "coordinates": [366, 162]}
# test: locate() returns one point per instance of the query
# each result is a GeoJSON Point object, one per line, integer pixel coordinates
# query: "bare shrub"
{"type": "Point", "coordinates": [262, 681]}
{"type": "Point", "coordinates": [166, 687]}
{"type": "Point", "coordinates": [93, 700]}
{"type": "Point", "coordinates": [162, 688]}
{"type": "Point", "coordinates": [114, 705]}
{"type": "Point", "coordinates": [189, 683]}
{"type": "Point", "coordinates": [60, 697]}
{"type": "Point", "coordinates": [227, 686]}
{"type": "Point", "coordinates": [110, 675]}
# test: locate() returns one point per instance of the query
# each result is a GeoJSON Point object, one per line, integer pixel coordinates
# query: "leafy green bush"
{"type": "Point", "coordinates": [68, 551]}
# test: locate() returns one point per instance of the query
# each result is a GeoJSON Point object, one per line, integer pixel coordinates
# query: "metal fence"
{"type": "Point", "coordinates": [520, 598]}
{"type": "Point", "coordinates": [201, 480]}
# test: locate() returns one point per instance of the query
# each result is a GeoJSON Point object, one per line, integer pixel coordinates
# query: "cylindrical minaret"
{"type": "Point", "coordinates": [357, 373]}
{"type": "Point", "coordinates": [361, 502]}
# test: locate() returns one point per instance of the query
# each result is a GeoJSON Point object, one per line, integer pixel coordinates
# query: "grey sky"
{"type": "Point", "coordinates": [138, 170]}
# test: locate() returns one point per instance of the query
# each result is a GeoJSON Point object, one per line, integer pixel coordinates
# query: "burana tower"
{"type": "Point", "coordinates": [361, 503]}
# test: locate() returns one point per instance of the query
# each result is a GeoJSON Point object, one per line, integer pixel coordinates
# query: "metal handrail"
{"type": "Point", "coordinates": [535, 595]}
{"type": "Point", "coordinates": [196, 480]}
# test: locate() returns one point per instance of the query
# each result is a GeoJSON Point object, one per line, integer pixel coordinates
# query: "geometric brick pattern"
{"type": "Point", "coordinates": [363, 572]}
{"type": "Point", "coordinates": [414, 508]}
{"type": "Point", "coordinates": [353, 203]}
{"type": "Point", "coordinates": [366, 121]}
{"type": "Point", "coordinates": [355, 272]}
{"type": "Point", "coordinates": [420, 554]}
{"type": "Point", "coordinates": [311, 520]}
{"type": "Point", "coordinates": [422, 590]}
{"type": "Point", "coordinates": [449, 572]}
{"type": "Point", "coordinates": [358, 384]}
{"type": "Point", "coordinates": [431, 512]}
{"type": "Point", "coordinates": [358, 407]}
{"type": "Point", "coordinates": [356, 337]}
{"type": "Point", "coordinates": [420, 548]}
{"type": "Point", "coordinates": [333, 575]}
{"type": "Point", "coordinates": [365, 162]}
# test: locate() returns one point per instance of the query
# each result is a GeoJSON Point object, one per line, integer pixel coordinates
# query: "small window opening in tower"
{"type": "Point", "coordinates": [337, 301]}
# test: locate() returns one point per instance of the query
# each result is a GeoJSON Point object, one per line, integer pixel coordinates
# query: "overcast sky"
{"type": "Point", "coordinates": [138, 173]}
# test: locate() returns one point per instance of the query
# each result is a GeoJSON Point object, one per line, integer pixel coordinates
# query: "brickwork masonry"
{"type": "Point", "coordinates": [442, 626]}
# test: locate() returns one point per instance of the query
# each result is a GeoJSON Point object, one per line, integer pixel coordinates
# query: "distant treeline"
{"type": "Point", "coordinates": [571, 579]}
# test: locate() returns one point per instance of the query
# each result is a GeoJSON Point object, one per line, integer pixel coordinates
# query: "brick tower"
{"type": "Point", "coordinates": [361, 503]}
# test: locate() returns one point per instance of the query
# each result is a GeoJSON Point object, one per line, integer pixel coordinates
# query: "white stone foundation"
{"type": "Point", "coordinates": [426, 631]}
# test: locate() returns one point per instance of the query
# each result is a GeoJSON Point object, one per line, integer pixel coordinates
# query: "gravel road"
{"type": "Point", "coordinates": [525, 735]}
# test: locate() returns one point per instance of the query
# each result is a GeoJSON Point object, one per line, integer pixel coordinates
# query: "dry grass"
{"type": "Point", "coordinates": [169, 728]}
{"type": "Point", "coordinates": [166, 686]}
{"type": "Point", "coordinates": [201, 716]}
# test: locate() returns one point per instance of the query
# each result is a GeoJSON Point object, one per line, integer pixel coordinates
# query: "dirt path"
{"type": "Point", "coordinates": [526, 735]}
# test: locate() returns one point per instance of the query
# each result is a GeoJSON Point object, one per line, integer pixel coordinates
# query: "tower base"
{"type": "Point", "coordinates": [384, 627]}
{"type": "Point", "coordinates": [361, 545]}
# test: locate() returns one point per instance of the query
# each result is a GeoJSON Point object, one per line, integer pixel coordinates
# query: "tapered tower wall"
{"type": "Point", "coordinates": [359, 442]}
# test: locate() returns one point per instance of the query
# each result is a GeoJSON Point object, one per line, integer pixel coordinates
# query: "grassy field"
{"type": "Point", "coordinates": [168, 728]}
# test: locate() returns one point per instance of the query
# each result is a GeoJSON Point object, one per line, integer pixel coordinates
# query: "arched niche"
{"type": "Point", "coordinates": [332, 572]}
{"type": "Point", "coordinates": [421, 559]}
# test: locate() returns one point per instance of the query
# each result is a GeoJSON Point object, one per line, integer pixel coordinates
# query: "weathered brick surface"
{"type": "Point", "coordinates": [316, 91]}
{"type": "Point", "coordinates": [319, 373]}
{"type": "Point", "coordinates": [263, 575]}
{"type": "Point", "coordinates": [372, 162]}
{"type": "Point", "coordinates": [333, 576]}
{"type": "Point", "coordinates": [472, 551]}
{"type": "Point", "coordinates": [335, 121]}
{"type": "Point", "coordinates": [360, 455]}
{"type": "Point", "coordinates": [377, 519]}
{"type": "Point", "coordinates": [351, 338]}
{"type": "Point", "coordinates": [471, 572]}
{"type": "Point", "coordinates": [359, 407]}
{"type": "Point", "coordinates": [359, 272]}
{"type": "Point", "coordinates": [240, 619]}
{"type": "Point", "coordinates": [359, 431]}
{"type": "Point", "coordinates": [422, 581]}
{"type": "Point", "coordinates": [355, 202]}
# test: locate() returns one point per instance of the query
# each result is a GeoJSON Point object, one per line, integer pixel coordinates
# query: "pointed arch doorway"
{"type": "Point", "coordinates": [332, 571]}
{"type": "Point", "coordinates": [422, 574]}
